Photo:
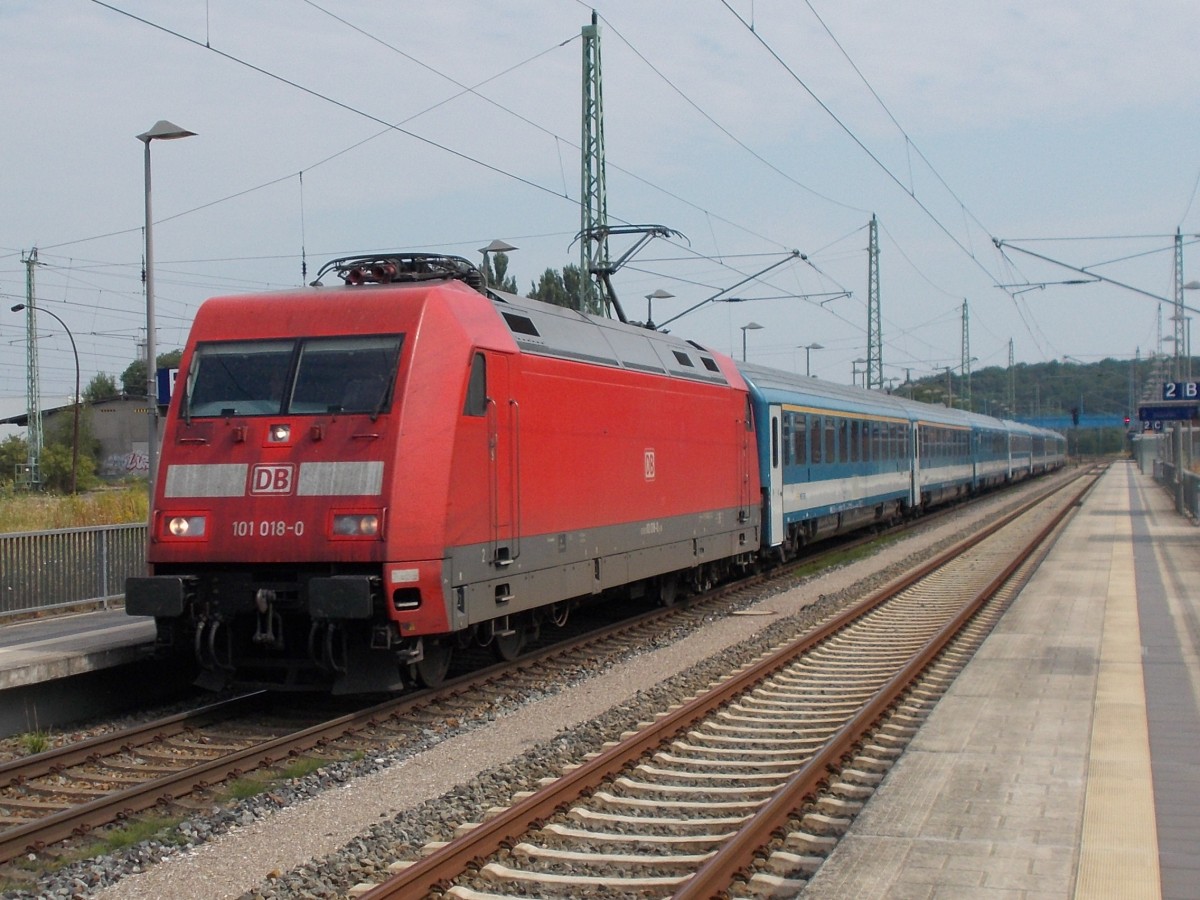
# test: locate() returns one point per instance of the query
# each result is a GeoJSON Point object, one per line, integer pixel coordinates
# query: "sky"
{"type": "Point", "coordinates": [764, 133]}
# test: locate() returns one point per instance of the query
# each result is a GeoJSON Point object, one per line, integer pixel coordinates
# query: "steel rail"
{"type": "Point", "coordinates": [737, 854]}
{"type": "Point", "coordinates": [82, 818]}
{"type": "Point", "coordinates": [15, 772]}
{"type": "Point", "coordinates": [436, 870]}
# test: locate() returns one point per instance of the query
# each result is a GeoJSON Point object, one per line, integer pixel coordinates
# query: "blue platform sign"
{"type": "Point", "coordinates": [1180, 413]}
{"type": "Point", "coordinates": [166, 384]}
{"type": "Point", "coordinates": [1181, 390]}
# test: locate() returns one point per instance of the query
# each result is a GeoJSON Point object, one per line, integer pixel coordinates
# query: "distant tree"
{"type": "Point", "coordinates": [133, 379]}
{"type": "Point", "coordinates": [57, 453]}
{"type": "Point", "coordinates": [56, 461]}
{"type": "Point", "coordinates": [496, 273]}
{"type": "Point", "coordinates": [13, 454]}
{"type": "Point", "coordinates": [102, 387]}
{"type": "Point", "coordinates": [562, 289]}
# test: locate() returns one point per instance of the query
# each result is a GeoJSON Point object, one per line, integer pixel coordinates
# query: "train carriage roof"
{"type": "Point", "coordinates": [775, 386]}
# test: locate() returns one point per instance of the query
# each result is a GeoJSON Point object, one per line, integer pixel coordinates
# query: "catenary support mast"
{"type": "Point", "coordinates": [33, 394]}
{"type": "Point", "coordinates": [593, 226]}
{"type": "Point", "coordinates": [874, 330]}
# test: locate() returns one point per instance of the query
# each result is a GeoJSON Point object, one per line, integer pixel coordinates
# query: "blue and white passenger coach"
{"type": "Point", "coordinates": [833, 458]}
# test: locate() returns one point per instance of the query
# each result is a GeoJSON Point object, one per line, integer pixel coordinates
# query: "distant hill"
{"type": "Point", "coordinates": [1103, 392]}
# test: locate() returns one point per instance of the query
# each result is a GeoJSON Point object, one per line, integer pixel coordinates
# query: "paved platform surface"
{"type": "Point", "coordinates": [1065, 760]}
{"type": "Point", "coordinates": [39, 650]}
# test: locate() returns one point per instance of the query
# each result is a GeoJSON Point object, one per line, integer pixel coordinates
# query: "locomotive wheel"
{"type": "Point", "coordinates": [668, 590]}
{"type": "Point", "coordinates": [431, 670]}
{"type": "Point", "coordinates": [509, 646]}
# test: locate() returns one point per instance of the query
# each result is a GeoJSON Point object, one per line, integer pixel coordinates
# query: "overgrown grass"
{"type": "Point", "coordinates": [144, 827]}
{"type": "Point", "coordinates": [138, 830]}
{"type": "Point", "coordinates": [21, 511]}
{"type": "Point", "coordinates": [263, 780]}
{"type": "Point", "coordinates": [33, 742]}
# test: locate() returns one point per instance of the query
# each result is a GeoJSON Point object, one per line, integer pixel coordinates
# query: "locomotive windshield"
{"type": "Point", "coordinates": [296, 377]}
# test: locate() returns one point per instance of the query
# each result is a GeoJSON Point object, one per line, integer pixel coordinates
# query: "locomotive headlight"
{"type": "Point", "coordinates": [356, 525]}
{"type": "Point", "coordinates": [186, 526]}
{"type": "Point", "coordinates": [279, 434]}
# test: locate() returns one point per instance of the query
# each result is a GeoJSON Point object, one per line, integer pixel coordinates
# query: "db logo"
{"type": "Point", "coordinates": [272, 479]}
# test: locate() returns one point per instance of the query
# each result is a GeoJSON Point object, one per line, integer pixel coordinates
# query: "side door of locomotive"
{"type": "Point", "coordinates": [504, 483]}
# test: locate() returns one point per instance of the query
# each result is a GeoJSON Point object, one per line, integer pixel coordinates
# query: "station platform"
{"type": "Point", "coordinates": [1065, 759]}
{"type": "Point", "coordinates": [38, 650]}
{"type": "Point", "coordinates": [63, 669]}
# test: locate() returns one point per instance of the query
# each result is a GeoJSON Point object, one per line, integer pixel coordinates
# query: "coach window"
{"type": "Point", "coordinates": [476, 404]}
{"type": "Point", "coordinates": [814, 431]}
{"type": "Point", "coordinates": [831, 454]}
{"type": "Point", "coordinates": [800, 436]}
{"type": "Point", "coordinates": [787, 438]}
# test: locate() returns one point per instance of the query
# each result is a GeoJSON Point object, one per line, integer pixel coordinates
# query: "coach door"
{"type": "Point", "coordinates": [914, 454]}
{"type": "Point", "coordinates": [775, 488]}
{"type": "Point", "coordinates": [504, 424]}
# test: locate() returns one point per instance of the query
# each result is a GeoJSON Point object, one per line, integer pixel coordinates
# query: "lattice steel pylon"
{"type": "Point", "coordinates": [1181, 347]}
{"type": "Point", "coordinates": [33, 394]}
{"type": "Point", "coordinates": [874, 330]}
{"type": "Point", "coordinates": [1012, 382]}
{"type": "Point", "coordinates": [593, 223]}
{"type": "Point", "coordinates": [966, 356]}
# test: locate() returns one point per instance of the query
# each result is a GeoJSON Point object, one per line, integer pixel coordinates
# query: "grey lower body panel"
{"type": "Point", "coordinates": [549, 568]}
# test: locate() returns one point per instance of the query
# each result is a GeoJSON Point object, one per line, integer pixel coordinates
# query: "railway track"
{"type": "Point", "coordinates": [743, 790]}
{"type": "Point", "coordinates": [72, 790]}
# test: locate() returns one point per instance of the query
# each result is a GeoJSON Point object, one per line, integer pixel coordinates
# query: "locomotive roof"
{"type": "Point", "coordinates": [557, 331]}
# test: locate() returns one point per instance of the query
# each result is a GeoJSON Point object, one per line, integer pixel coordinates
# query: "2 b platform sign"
{"type": "Point", "coordinates": [1180, 403]}
{"type": "Point", "coordinates": [1181, 390]}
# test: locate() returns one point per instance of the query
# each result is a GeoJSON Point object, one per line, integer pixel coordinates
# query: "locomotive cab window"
{"type": "Point", "coordinates": [247, 378]}
{"type": "Point", "coordinates": [345, 375]}
{"type": "Point", "coordinates": [325, 375]}
{"type": "Point", "coordinates": [476, 402]}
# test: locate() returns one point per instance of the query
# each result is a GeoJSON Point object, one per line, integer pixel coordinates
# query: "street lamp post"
{"type": "Point", "coordinates": [75, 433]}
{"type": "Point", "coordinates": [749, 326]}
{"type": "Point", "coordinates": [808, 349]}
{"type": "Point", "coordinates": [659, 294]}
{"type": "Point", "coordinates": [162, 131]}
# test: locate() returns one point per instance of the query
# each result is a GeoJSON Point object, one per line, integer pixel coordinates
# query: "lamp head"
{"type": "Point", "coordinates": [164, 131]}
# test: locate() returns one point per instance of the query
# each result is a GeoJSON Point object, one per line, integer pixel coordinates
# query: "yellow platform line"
{"type": "Point", "coordinates": [1118, 854]}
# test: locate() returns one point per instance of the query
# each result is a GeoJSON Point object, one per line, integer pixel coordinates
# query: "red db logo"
{"type": "Point", "coordinates": [272, 479]}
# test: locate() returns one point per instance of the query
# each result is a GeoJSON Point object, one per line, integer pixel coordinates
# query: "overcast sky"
{"type": "Point", "coordinates": [751, 128]}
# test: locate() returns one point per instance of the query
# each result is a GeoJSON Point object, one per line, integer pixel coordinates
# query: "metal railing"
{"type": "Point", "coordinates": [42, 570]}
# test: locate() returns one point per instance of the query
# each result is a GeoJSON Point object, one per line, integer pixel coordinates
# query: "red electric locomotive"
{"type": "Point", "coordinates": [354, 480]}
